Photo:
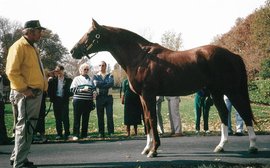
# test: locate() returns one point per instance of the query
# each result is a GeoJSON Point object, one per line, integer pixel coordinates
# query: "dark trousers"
{"type": "Point", "coordinates": [41, 119]}
{"type": "Point", "coordinates": [102, 103]}
{"type": "Point", "coordinates": [3, 130]}
{"type": "Point", "coordinates": [202, 106]}
{"type": "Point", "coordinates": [61, 114]}
{"type": "Point", "coordinates": [82, 109]}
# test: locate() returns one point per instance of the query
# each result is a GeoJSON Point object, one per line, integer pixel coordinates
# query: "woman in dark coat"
{"type": "Point", "coordinates": [132, 108]}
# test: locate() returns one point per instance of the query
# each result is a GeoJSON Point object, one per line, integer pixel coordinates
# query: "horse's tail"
{"type": "Point", "coordinates": [244, 86]}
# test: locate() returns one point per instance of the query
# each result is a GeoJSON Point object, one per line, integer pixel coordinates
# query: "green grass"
{"type": "Point", "coordinates": [261, 112]}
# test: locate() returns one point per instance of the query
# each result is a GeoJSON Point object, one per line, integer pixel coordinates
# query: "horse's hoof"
{"type": "Point", "coordinates": [152, 154]}
{"type": "Point", "coordinates": [145, 152]}
{"type": "Point", "coordinates": [253, 150]}
{"type": "Point", "coordinates": [219, 149]}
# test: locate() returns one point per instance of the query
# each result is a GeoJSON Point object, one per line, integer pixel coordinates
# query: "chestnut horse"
{"type": "Point", "coordinates": [154, 70]}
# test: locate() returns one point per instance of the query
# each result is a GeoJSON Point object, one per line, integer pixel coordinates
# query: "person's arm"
{"type": "Point", "coordinates": [69, 81]}
{"type": "Point", "coordinates": [13, 69]}
{"type": "Point", "coordinates": [50, 89]}
{"type": "Point", "coordinates": [5, 80]}
{"type": "Point", "coordinates": [106, 84]}
{"type": "Point", "coordinates": [124, 87]}
{"type": "Point", "coordinates": [74, 86]}
{"type": "Point", "coordinates": [109, 81]}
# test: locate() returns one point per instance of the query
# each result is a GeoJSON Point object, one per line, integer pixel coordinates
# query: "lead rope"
{"type": "Point", "coordinates": [28, 124]}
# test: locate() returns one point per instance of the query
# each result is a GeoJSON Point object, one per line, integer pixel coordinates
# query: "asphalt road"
{"type": "Point", "coordinates": [174, 152]}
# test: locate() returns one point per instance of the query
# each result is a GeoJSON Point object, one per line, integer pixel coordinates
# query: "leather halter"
{"type": "Point", "coordinates": [88, 46]}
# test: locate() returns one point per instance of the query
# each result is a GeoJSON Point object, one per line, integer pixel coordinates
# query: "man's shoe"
{"type": "Point", "coordinates": [75, 138]}
{"type": "Point", "coordinates": [58, 137]}
{"type": "Point", "coordinates": [32, 166]}
{"type": "Point", "coordinates": [197, 132]}
{"type": "Point", "coordinates": [25, 163]}
{"type": "Point", "coordinates": [29, 165]}
{"type": "Point", "coordinates": [101, 135]}
{"type": "Point", "coordinates": [230, 132]}
{"type": "Point", "coordinates": [44, 139]}
{"type": "Point", "coordinates": [69, 137]}
{"type": "Point", "coordinates": [207, 131]}
{"type": "Point", "coordinates": [6, 141]}
{"type": "Point", "coordinates": [176, 135]}
{"type": "Point", "coordinates": [238, 134]}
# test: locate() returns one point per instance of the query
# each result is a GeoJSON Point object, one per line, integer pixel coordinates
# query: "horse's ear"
{"type": "Point", "coordinates": [95, 24]}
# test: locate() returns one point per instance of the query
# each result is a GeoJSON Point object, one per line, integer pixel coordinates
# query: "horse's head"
{"type": "Point", "coordinates": [91, 42]}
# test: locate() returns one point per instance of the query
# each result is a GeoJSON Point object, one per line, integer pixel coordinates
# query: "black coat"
{"type": "Point", "coordinates": [52, 89]}
{"type": "Point", "coordinates": [133, 110]}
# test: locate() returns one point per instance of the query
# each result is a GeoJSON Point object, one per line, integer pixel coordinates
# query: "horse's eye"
{"type": "Point", "coordinates": [97, 36]}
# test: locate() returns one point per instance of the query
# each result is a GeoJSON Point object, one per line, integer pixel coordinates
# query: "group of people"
{"type": "Point", "coordinates": [4, 83]}
{"type": "Point", "coordinates": [30, 86]}
{"type": "Point", "coordinates": [174, 115]}
{"type": "Point", "coordinates": [133, 112]}
{"type": "Point", "coordinates": [84, 90]}
{"type": "Point", "coordinates": [203, 102]}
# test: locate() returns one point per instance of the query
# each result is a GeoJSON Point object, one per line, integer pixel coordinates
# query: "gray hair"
{"type": "Point", "coordinates": [82, 67]}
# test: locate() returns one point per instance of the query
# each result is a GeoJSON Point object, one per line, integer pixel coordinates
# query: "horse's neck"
{"type": "Point", "coordinates": [129, 57]}
{"type": "Point", "coordinates": [130, 49]}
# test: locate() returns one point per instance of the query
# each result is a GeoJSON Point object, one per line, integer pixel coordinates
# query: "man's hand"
{"type": "Point", "coordinates": [28, 93]}
{"type": "Point", "coordinates": [85, 89]}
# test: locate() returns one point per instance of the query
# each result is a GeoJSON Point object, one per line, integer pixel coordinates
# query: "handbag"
{"type": "Point", "coordinates": [93, 106]}
{"type": "Point", "coordinates": [123, 99]}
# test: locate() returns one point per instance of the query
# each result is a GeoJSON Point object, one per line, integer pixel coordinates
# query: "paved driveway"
{"type": "Point", "coordinates": [174, 152]}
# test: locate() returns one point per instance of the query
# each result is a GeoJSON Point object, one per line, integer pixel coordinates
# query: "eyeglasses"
{"type": "Point", "coordinates": [86, 69]}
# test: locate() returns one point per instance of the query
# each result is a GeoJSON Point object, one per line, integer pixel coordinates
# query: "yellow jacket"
{"type": "Point", "coordinates": [23, 69]}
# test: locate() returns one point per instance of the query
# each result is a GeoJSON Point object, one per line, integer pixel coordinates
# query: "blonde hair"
{"type": "Point", "coordinates": [82, 67]}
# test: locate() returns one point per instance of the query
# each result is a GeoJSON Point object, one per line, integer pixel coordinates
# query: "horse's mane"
{"type": "Point", "coordinates": [126, 34]}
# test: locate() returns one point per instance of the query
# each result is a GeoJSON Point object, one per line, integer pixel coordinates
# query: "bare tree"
{"type": "Point", "coordinates": [146, 33]}
{"type": "Point", "coordinates": [51, 48]}
{"type": "Point", "coordinates": [172, 40]}
{"type": "Point", "coordinates": [9, 33]}
{"type": "Point", "coordinates": [72, 65]}
{"type": "Point", "coordinates": [119, 75]}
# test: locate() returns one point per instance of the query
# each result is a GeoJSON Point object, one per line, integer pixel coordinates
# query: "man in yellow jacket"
{"type": "Point", "coordinates": [27, 80]}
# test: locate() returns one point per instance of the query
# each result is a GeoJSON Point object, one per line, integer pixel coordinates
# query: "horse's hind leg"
{"type": "Point", "coordinates": [242, 104]}
{"type": "Point", "coordinates": [223, 114]}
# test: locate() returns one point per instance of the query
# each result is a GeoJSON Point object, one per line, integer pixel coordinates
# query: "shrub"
{"type": "Point", "coordinates": [259, 91]}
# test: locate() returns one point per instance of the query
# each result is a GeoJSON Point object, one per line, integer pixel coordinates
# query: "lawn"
{"type": "Point", "coordinates": [261, 113]}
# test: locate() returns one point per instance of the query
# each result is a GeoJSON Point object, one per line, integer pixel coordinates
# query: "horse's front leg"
{"type": "Point", "coordinates": [149, 140]}
{"type": "Point", "coordinates": [153, 141]}
{"type": "Point", "coordinates": [148, 136]}
{"type": "Point", "coordinates": [156, 140]}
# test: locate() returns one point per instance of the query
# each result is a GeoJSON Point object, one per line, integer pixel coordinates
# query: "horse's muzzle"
{"type": "Point", "coordinates": [76, 53]}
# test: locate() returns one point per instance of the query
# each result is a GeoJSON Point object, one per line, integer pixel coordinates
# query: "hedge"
{"type": "Point", "coordinates": [259, 91]}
